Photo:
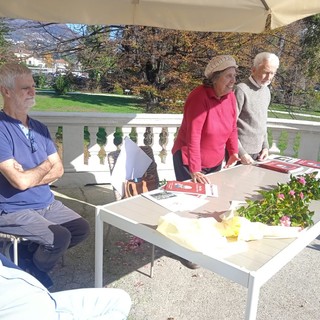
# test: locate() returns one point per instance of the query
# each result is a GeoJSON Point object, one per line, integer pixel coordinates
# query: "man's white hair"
{"type": "Point", "coordinates": [263, 56]}
{"type": "Point", "coordinates": [10, 71]}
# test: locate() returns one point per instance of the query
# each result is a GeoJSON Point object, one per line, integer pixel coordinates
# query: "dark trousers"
{"type": "Point", "coordinates": [66, 236]}
{"type": "Point", "coordinates": [50, 231]}
{"type": "Point", "coordinates": [182, 171]}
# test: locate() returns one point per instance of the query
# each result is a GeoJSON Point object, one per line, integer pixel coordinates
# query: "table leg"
{"type": "Point", "coordinates": [152, 261]}
{"type": "Point", "coordinates": [98, 250]}
{"type": "Point", "coordinates": [252, 298]}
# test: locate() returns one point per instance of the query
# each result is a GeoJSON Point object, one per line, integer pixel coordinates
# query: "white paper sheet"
{"type": "Point", "coordinates": [132, 163]}
{"type": "Point", "coordinates": [175, 201]}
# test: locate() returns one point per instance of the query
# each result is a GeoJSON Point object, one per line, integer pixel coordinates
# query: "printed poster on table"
{"type": "Point", "coordinates": [196, 188]}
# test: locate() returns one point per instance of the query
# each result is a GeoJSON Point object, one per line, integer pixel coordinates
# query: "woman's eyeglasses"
{"type": "Point", "coordinates": [34, 146]}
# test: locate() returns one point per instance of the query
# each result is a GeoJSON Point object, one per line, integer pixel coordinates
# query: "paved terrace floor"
{"type": "Point", "coordinates": [175, 292]}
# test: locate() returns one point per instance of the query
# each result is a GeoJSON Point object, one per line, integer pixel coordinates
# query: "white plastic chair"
{"type": "Point", "coordinates": [8, 239]}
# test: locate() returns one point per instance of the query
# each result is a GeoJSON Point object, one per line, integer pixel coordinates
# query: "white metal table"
{"type": "Point", "coordinates": [251, 268]}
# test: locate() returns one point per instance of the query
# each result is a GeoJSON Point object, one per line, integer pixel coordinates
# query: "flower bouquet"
{"type": "Point", "coordinates": [285, 205]}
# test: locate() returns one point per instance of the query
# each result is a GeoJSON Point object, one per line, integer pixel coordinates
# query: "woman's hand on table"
{"type": "Point", "coordinates": [199, 177]}
{"type": "Point", "coordinates": [264, 154]}
{"type": "Point", "coordinates": [234, 158]}
{"type": "Point", "coordinates": [246, 159]}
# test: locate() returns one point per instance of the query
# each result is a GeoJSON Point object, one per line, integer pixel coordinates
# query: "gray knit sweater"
{"type": "Point", "coordinates": [253, 103]}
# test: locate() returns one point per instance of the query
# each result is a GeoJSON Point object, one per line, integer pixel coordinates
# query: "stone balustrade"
{"type": "Point", "coordinates": [84, 139]}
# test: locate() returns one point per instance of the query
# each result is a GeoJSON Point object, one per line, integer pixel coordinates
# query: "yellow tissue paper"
{"type": "Point", "coordinates": [195, 234]}
{"type": "Point", "coordinates": [207, 234]}
{"type": "Point", "coordinates": [234, 226]}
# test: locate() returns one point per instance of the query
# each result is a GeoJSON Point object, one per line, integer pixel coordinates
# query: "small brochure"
{"type": "Point", "coordinates": [280, 166]}
{"type": "Point", "coordinates": [302, 162]}
{"type": "Point", "coordinates": [308, 163]}
{"type": "Point", "coordinates": [175, 201]}
{"type": "Point", "coordinates": [283, 158]}
{"type": "Point", "coordinates": [196, 188]}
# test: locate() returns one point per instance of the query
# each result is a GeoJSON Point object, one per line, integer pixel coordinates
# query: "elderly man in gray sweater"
{"type": "Point", "coordinates": [253, 99]}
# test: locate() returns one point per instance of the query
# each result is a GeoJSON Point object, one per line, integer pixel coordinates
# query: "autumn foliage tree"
{"type": "Point", "coordinates": [96, 52]}
{"type": "Point", "coordinates": [164, 65]}
{"type": "Point", "coordinates": [6, 55]}
{"type": "Point", "coordinates": [310, 44]}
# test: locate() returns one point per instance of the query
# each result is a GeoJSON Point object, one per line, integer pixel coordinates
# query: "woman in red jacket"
{"type": "Point", "coordinates": [209, 124]}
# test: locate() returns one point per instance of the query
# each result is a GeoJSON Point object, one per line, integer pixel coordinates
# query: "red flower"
{"type": "Point", "coordinates": [285, 221]}
{"type": "Point", "coordinates": [302, 180]}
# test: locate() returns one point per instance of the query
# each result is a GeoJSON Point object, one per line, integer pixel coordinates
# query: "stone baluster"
{"type": "Point", "coordinates": [166, 156]}
{"type": "Point", "coordinates": [126, 131]}
{"type": "Point", "coordinates": [156, 147]}
{"type": "Point", "coordinates": [170, 139]}
{"type": "Point", "coordinates": [93, 147]}
{"type": "Point", "coordinates": [110, 146]}
{"type": "Point", "coordinates": [140, 135]}
{"type": "Point", "coordinates": [290, 144]}
{"type": "Point", "coordinates": [275, 139]}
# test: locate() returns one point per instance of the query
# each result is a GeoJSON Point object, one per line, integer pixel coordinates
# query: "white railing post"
{"type": "Point", "coordinates": [72, 145]}
{"type": "Point", "coordinates": [110, 146]}
{"type": "Point", "coordinates": [170, 139]}
{"type": "Point", "coordinates": [290, 143]}
{"type": "Point", "coordinates": [156, 147]}
{"type": "Point", "coordinates": [93, 147]}
{"type": "Point", "coordinates": [275, 139]}
{"type": "Point", "coordinates": [126, 131]}
{"type": "Point", "coordinates": [140, 135]}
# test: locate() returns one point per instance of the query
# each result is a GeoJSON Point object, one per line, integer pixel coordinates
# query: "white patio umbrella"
{"type": "Point", "coordinates": [195, 15]}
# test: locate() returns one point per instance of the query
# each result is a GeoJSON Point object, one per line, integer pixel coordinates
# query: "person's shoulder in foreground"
{"type": "Point", "coordinates": [24, 297]}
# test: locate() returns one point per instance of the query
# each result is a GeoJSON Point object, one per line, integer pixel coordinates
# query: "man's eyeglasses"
{"type": "Point", "coordinates": [34, 146]}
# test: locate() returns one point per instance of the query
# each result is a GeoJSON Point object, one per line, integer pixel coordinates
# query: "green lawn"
{"type": "Point", "coordinates": [308, 116]}
{"type": "Point", "coordinates": [87, 103]}
{"type": "Point", "coordinates": [293, 113]}
{"type": "Point", "coordinates": [108, 103]}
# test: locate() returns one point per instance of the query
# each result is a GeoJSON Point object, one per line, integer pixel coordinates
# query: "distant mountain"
{"type": "Point", "coordinates": [36, 36]}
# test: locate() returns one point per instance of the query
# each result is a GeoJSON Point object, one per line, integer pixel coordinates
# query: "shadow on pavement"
{"type": "Point", "coordinates": [123, 253]}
